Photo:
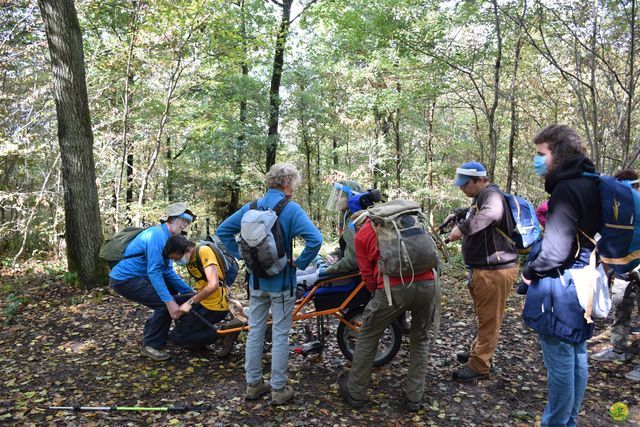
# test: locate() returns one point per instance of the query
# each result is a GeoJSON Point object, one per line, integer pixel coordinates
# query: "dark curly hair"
{"type": "Point", "coordinates": [626, 175]}
{"type": "Point", "coordinates": [564, 143]}
{"type": "Point", "coordinates": [177, 245]}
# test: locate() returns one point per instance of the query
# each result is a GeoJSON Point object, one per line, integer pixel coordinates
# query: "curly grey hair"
{"type": "Point", "coordinates": [283, 175]}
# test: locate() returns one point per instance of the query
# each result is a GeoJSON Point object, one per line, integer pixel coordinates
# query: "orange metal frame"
{"type": "Point", "coordinates": [299, 314]}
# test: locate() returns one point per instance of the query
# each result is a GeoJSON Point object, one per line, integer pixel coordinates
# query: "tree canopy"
{"type": "Point", "coordinates": [395, 94]}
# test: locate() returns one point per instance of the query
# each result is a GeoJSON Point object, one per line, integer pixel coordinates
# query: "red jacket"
{"type": "Point", "coordinates": [367, 255]}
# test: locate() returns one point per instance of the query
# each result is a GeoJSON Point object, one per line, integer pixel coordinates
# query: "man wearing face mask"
{"type": "Point", "coordinates": [210, 301]}
{"type": "Point", "coordinates": [146, 277]}
{"type": "Point", "coordinates": [493, 260]}
{"type": "Point", "coordinates": [551, 306]}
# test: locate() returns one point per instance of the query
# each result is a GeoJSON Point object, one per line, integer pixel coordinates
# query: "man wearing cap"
{"type": "Point", "coordinates": [146, 277]}
{"type": "Point", "coordinates": [493, 262]}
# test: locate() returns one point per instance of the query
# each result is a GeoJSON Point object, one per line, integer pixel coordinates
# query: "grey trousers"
{"type": "Point", "coordinates": [420, 299]}
{"type": "Point", "coordinates": [624, 295]}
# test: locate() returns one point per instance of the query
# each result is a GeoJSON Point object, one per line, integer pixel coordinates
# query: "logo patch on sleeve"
{"type": "Point", "coordinates": [206, 260]}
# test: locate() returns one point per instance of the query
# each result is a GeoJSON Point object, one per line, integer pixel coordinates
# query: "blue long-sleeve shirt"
{"type": "Point", "coordinates": [293, 222]}
{"type": "Point", "coordinates": [151, 265]}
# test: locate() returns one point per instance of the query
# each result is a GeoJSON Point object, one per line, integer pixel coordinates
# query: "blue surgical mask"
{"type": "Point", "coordinates": [540, 164]}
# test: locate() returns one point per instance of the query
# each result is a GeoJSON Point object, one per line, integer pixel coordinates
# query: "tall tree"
{"type": "Point", "coordinates": [83, 229]}
{"type": "Point", "coordinates": [276, 78]}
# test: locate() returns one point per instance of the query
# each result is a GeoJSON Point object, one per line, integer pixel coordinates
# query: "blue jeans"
{"type": "Point", "coordinates": [567, 375]}
{"type": "Point", "coordinates": [191, 330]}
{"type": "Point", "coordinates": [281, 304]}
{"type": "Point", "coordinates": [140, 290]}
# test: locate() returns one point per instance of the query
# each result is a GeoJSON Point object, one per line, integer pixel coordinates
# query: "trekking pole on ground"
{"type": "Point", "coordinates": [183, 408]}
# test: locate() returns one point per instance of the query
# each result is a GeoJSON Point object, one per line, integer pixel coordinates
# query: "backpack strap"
{"type": "Point", "coordinates": [256, 280]}
{"type": "Point", "coordinates": [281, 204]}
{"type": "Point", "coordinates": [277, 209]}
{"type": "Point", "coordinates": [198, 262]}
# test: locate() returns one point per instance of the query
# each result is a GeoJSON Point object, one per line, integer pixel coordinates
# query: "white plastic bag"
{"type": "Point", "coordinates": [593, 291]}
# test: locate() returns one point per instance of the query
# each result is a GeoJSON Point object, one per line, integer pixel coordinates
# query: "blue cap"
{"type": "Point", "coordinates": [467, 170]}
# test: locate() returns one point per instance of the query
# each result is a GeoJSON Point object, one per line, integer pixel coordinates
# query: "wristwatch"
{"type": "Point", "coordinates": [190, 301]}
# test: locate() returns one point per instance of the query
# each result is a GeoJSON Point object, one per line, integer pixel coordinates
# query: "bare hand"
{"type": "Point", "coordinates": [185, 307]}
{"type": "Point", "coordinates": [526, 281]}
{"type": "Point", "coordinates": [174, 310]}
{"type": "Point", "coordinates": [455, 234]}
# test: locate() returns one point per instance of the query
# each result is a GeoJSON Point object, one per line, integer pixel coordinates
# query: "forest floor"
{"type": "Point", "coordinates": [61, 346]}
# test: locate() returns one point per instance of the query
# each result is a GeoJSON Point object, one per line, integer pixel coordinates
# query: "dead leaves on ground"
{"type": "Point", "coordinates": [65, 347]}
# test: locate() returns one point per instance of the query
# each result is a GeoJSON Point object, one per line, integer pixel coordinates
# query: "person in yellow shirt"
{"type": "Point", "coordinates": [210, 301]}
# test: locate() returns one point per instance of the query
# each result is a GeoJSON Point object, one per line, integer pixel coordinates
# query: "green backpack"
{"type": "Point", "coordinates": [112, 251]}
{"type": "Point", "coordinates": [406, 249]}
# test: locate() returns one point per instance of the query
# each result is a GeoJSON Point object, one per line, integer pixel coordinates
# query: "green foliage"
{"type": "Point", "coordinates": [14, 302]}
{"type": "Point", "coordinates": [395, 94]}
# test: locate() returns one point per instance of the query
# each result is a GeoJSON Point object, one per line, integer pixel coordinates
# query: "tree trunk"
{"type": "Point", "coordinates": [236, 168]}
{"type": "Point", "coordinates": [274, 89]}
{"type": "Point", "coordinates": [429, 155]}
{"type": "Point", "coordinates": [129, 194]}
{"type": "Point", "coordinates": [597, 134]}
{"type": "Point", "coordinates": [493, 137]}
{"type": "Point", "coordinates": [128, 80]}
{"type": "Point", "coordinates": [83, 229]}
{"type": "Point", "coordinates": [398, 146]}
{"type": "Point", "coordinates": [170, 173]}
{"type": "Point", "coordinates": [513, 134]}
{"type": "Point", "coordinates": [171, 87]}
{"type": "Point", "coordinates": [318, 193]}
{"type": "Point", "coordinates": [632, 83]}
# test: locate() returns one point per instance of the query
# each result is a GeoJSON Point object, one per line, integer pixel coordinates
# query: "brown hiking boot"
{"type": "Point", "coordinates": [257, 390]}
{"type": "Point", "coordinates": [227, 344]}
{"type": "Point", "coordinates": [280, 396]}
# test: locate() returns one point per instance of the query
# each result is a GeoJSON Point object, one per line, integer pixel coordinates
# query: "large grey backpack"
{"type": "Point", "coordinates": [406, 249]}
{"type": "Point", "coordinates": [261, 243]}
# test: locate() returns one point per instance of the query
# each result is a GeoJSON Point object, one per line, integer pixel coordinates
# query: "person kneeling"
{"type": "Point", "coordinates": [210, 302]}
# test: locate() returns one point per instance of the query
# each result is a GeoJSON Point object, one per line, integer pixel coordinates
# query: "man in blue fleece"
{"type": "Point", "coordinates": [148, 278]}
{"type": "Point", "coordinates": [274, 292]}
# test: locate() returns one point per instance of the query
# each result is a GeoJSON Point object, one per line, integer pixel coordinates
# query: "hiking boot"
{"type": "Point", "coordinates": [468, 374]}
{"type": "Point", "coordinates": [282, 395]}
{"type": "Point", "coordinates": [463, 357]}
{"type": "Point", "coordinates": [412, 406]}
{"type": "Point", "coordinates": [257, 390]}
{"type": "Point", "coordinates": [154, 353]}
{"type": "Point", "coordinates": [634, 375]}
{"type": "Point", "coordinates": [227, 344]}
{"type": "Point", "coordinates": [609, 355]}
{"type": "Point", "coordinates": [344, 391]}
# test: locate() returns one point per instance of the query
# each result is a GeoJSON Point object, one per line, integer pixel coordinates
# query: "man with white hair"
{"type": "Point", "coordinates": [273, 292]}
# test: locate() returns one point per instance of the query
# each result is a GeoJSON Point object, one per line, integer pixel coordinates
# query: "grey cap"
{"type": "Point", "coordinates": [176, 209]}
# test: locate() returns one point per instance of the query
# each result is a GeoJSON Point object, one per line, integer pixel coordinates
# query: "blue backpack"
{"type": "Point", "coordinates": [619, 244]}
{"type": "Point", "coordinates": [527, 228]}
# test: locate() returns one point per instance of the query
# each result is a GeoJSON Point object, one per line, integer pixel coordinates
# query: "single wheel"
{"type": "Point", "coordinates": [388, 345]}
